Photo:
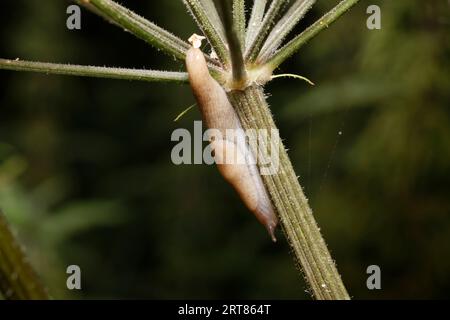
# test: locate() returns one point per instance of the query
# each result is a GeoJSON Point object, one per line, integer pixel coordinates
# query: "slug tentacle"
{"type": "Point", "coordinates": [218, 114]}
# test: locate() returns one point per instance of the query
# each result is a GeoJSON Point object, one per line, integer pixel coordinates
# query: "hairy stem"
{"type": "Point", "coordinates": [213, 15]}
{"type": "Point", "coordinates": [239, 20]}
{"type": "Point", "coordinates": [97, 72]}
{"type": "Point", "coordinates": [94, 10]}
{"type": "Point", "coordinates": [146, 30]}
{"type": "Point", "coordinates": [295, 44]}
{"type": "Point", "coordinates": [18, 280]}
{"type": "Point", "coordinates": [235, 50]}
{"type": "Point", "coordinates": [295, 13]}
{"type": "Point", "coordinates": [255, 46]}
{"type": "Point", "coordinates": [256, 17]}
{"type": "Point", "coordinates": [210, 30]}
{"type": "Point", "coordinates": [291, 204]}
{"type": "Point", "coordinates": [142, 28]}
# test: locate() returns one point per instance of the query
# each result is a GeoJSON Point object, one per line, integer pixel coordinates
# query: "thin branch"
{"type": "Point", "coordinates": [214, 36]}
{"type": "Point", "coordinates": [237, 59]}
{"type": "Point", "coordinates": [292, 206]}
{"type": "Point", "coordinates": [239, 20]}
{"type": "Point", "coordinates": [256, 17]}
{"type": "Point", "coordinates": [295, 13]}
{"type": "Point", "coordinates": [255, 46]}
{"type": "Point", "coordinates": [295, 44]}
{"type": "Point", "coordinates": [97, 72]}
{"type": "Point", "coordinates": [142, 28]}
{"type": "Point", "coordinates": [178, 117]}
{"type": "Point", "coordinates": [213, 15]}
{"type": "Point", "coordinates": [146, 30]}
{"type": "Point", "coordinates": [94, 10]}
{"type": "Point", "coordinates": [293, 76]}
{"type": "Point", "coordinates": [18, 280]}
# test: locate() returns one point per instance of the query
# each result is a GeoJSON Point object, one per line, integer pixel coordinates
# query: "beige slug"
{"type": "Point", "coordinates": [219, 114]}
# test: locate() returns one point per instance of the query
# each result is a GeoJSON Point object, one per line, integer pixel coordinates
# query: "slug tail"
{"type": "Point", "coordinates": [269, 220]}
{"type": "Point", "coordinates": [271, 229]}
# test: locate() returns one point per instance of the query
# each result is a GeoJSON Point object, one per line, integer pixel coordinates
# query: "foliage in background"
{"type": "Point", "coordinates": [85, 167]}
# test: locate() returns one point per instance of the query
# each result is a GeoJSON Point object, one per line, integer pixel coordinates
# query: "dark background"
{"type": "Point", "coordinates": [86, 176]}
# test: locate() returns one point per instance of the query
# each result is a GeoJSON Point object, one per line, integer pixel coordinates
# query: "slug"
{"type": "Point", "coordinates": [219, 115]}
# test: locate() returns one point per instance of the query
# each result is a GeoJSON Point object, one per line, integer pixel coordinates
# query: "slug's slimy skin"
{"type": "Point", "coordinates": [219, 114]}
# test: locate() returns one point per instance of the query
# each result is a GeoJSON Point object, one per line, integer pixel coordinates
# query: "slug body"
{"type": "Point", "coordinates": [219, 114]}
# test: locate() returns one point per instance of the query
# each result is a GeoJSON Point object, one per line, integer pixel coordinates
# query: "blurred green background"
{"type": "Point", "coordinates": [86, 176]}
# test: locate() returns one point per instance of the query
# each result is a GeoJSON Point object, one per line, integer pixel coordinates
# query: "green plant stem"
{"type": "Point", "coordinates": [256, 17]}
{"type": "Point", "coordinates": [18, 280]}
{"type": "Point", "coordinates": [235, 50]}
{"type": "Point", "coordinates": [213, 15]}
{"type": "Point", "coordinates": [255, 46]}
{"type": "Point", "coordinates": [211, 31]}
{"type": "Point", "coordinates": [94, 10]}
{"type": "Point", "coordinates": [146, 30]}
{"type": "Point", "coordinates": [295, 44]}
{"type": "Point", "coordinates": [239, 20]}
{"type": "Point", "coordinates": [97, 72]}
{"type": "Point", "coordinates": [142, 28]}
{"type": "Point", "coordinates": [295, 13]}
{"type": "Point", "coordinates": [291, 204]}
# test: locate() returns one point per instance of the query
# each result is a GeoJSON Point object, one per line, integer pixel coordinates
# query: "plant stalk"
{"type": "Point", "coordinates": [295, 44]}
{"type": "Point", "coordinates": [212, 32]}
{"type": "Point", "coordinates": [145, 30]}
{"type": "Point", "coordinates": [213, 15]}
{"type": "Point", "coordinates": [239, 20]}
{"type": "Point", "coordinates": [292, 206]}
{"type": "Point", "coordinates": [238, 71]}
{"type": "Point", "coordinates": [279, 32]}
{"type": "Point", "coordinates": [18, 280]}
{"type": "Point", "coordinates": [142, 28]}
{"type": "Point", "coordinates": [255, 46]}
{"type": "Point", "coordinates": [256, 17]}
{"type": "Point", "coordinates": [96, 72]}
